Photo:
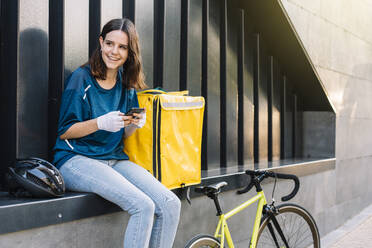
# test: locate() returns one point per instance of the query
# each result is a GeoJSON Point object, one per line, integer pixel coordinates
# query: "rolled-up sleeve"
{"type": "Point", "coordinates": [71, 111]}
{"type": "Point", "coordinates": [73, 105]}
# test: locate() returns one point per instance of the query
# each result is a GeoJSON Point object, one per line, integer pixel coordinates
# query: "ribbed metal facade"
{"type": "Point", "coordinates": [209, 47]}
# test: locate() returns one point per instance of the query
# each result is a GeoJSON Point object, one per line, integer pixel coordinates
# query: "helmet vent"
{"type": "Point", "coordinates": [37, 180]}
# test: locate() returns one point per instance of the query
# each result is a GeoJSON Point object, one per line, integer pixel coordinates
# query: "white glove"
{"type": "Point", "coordinates": [142, 121]}
{"type": "Point", "coordinates": [112, 121]}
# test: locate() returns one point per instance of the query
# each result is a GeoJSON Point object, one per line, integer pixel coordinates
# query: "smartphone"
{"type": "Point", "coordinates": [135, 110]}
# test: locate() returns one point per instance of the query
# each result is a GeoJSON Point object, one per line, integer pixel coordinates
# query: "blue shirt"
{"type": "Point", "coordinates": [84, 99]}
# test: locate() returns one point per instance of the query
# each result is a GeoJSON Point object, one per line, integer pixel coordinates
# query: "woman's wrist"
{"type": "Point", "coordinates": [81, 129]}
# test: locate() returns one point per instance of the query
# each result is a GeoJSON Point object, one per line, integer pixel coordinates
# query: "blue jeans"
{"type": "Point", "coordinates": [154, 210]}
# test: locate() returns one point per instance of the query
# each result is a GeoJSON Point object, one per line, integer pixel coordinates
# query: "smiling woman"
{"type": "Point", "coordinates": [89, 148]}
{"type": "Point", "coordinates": [118, 46]}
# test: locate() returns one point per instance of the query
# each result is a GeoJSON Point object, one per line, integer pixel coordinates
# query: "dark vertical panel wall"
{"type": "Point", "coordinates": [8, 82]}
{"type": "Point", "coordinates": [32, 93]}
{"type": "Point", "coordinates": [276, 110]}
{"type": "Point", "coordinates": [223, 79]}
{"type": "Point", "coordinates": [1, 32]}
{"type": "Point", "coordinates": [263, 104]}
{"type": "Point", "coordinates": [288, 128]}
{"type": "Point", "coordinates": [172, 53]}
{"type": "Point", "coordinates": [159, 31]}
{"type": "Point", "coordinates": [129, 9]}
{"type": "Point", "coordinates": [213, 85]}
{"type": "Point", "coordinates": [56, 68]}
{"type": "Point", "coordinates": [232, 88]}
{"type": "Point", "coordinates": [204, 78]}
{"type": "Point", "coordinates": [283, 119]}
{"type": "Point", "coordinates": [273, 111]}
{"type": "Point", "coordinates": [297, 127]}
{"type": "Point", "coordinates": [256, 81]}
{"type": "Point", "coordinates": [184, 39]}
{"type": "Point", "coordinates": [249, 45]}
{"type": "Point", "coordinates": [144, 20]}
{"type": "Point", "coordinates": [76, 30]}
{"type": "Point", "coordinates": [270, 108]}
{"type": "Point", "coordinates": [94, 24]}
{"type": "Point", "coordinates": [194, 48]}
{"type": "Point", "coordinates": [240, 55]}
{"type": "Point", "coordinates": [294, 125]}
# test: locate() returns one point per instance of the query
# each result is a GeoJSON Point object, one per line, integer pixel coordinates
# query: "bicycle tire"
{"type": "Point", "coordinates": [203, 240]}
{"type": "Point", "coordinates": [298, 227]}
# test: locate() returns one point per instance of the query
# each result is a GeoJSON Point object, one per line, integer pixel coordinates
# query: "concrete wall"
{"type": "Point", "coordinates": [338, 39]}
{"type": "Point", "coordinates": [318, 134]}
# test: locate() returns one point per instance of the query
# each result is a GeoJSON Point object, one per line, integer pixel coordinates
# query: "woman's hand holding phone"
{"type": "Point", "coordinates": [127, 120]}
{"type": "Point", "coordinates": [138, 117]}
{"type": "Point", "coordinates": [139, 120]}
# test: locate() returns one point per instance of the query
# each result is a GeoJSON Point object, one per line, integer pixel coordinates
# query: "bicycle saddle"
{"type": "Point", "coordinates": [213, 188]}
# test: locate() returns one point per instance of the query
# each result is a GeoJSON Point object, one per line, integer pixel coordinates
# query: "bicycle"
{"type": "Point", "coordinates": [285, 226]}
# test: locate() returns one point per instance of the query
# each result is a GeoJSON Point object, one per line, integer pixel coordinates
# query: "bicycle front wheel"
{"type": "Point", "coordinates": [203, 241]}
{"type": "Point", "coordinates": [291, 227]}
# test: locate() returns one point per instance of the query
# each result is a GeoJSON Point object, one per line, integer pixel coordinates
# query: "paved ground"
{"type": "Point", "coordinates": [355, 233]}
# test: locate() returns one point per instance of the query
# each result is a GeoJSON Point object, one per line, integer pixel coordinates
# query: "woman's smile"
{"type": "Point", "coordinates": [113, 58]}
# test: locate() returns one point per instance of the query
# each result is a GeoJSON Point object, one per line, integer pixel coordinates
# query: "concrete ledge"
{"type": "Point", "coordinates": [19, 214]}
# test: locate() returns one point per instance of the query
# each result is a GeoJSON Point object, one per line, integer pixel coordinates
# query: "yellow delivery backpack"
{"type": "Point", "coordinates": [169, 144]}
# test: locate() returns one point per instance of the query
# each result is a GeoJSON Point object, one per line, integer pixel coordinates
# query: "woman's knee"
{"type": "Point", "coordinates": [176, 204]}
{"type": "Point", "coordinates": [148, 206]}
{"type": "Point", "coordinates": [142, 205]}
{"type": "Point", "coordinates": [171, 206]}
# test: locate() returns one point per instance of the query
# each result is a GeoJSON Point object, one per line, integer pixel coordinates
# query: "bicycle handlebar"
{"type": "Point", "coordinates": [258, 176]}
{"type": "Point", "coordinates": [246, 189]}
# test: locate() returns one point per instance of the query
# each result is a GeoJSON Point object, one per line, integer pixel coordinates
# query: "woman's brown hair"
{"type": "Point", "coordinates": [133, 76]}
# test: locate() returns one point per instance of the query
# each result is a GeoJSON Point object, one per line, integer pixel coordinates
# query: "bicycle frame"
{"type": "Point", "coordinates": [222, 230]}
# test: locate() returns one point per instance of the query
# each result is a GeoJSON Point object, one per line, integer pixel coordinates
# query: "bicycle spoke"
{"type": "Point", "coordinates": [298, 230]}
{"type": "Point", "coordinates": [300, 233]}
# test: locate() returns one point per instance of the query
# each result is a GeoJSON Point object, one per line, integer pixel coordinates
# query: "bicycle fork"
{"type": "Point", "coordinates": [271, 210]}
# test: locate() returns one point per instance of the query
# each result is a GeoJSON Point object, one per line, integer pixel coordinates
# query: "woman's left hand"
{"type": "Point", "coordinates": [139, 120]}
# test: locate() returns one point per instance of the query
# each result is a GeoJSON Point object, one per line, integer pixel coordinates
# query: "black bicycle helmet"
{"type": "Point", "coordinates": [35, 176]}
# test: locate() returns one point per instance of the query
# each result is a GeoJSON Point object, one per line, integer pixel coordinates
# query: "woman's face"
{"type": "Point", "coordinates": [114, 49]}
